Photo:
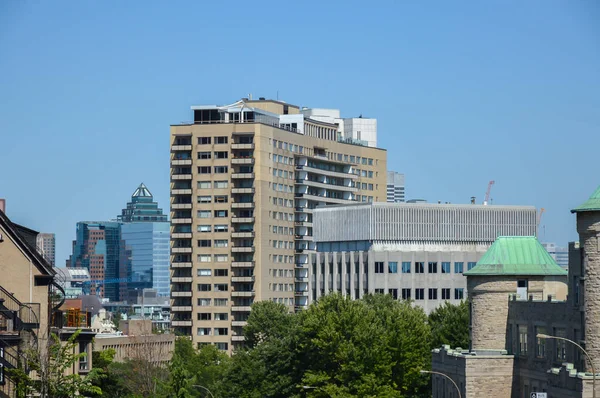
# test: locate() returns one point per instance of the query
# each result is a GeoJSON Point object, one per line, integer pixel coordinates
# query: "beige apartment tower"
{"type": "Point", "coordinates": [245, 179]}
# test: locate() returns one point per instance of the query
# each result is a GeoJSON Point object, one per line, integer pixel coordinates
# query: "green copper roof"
{"type": "Point", "coordinates": [516, 255]}
{"type": "Point", "coordinates": [592, 204]}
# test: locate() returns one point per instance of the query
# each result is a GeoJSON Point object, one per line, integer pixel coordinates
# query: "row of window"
{"type": "Point", "coordinates": [283, 188]}
{"type": "Point", "coordinates": [220, 346]}
{"type": "Point", "coordinates": [207, 316]}
{"type": "Point", "coordinates": [208, 258]}
{"type": "Point", "coordinates": [540, 344]}
{"type": "Point", "coordinates": [213, 228]}
{"type": "Point", "coordinates": [283, 174]}
{"type": "Point", "coordinates": [281, 287]}
{"type": "Point", "coordinates": [288, 147]}
{"type": "Point", "coordinates": [218, 243]}
{"type": "Point", "coordinates": [209, 199]}
{"type": "Point", "coordinates": [282, 244]}
{"type": "Point", "coordinates": [419, 267]}
{"type": "Point", "coordinates": [282, 159]}
{"type": "Point", "coordinates": [283, 230]}
{"type": "Point", "coordinates": [209, 213]}
{"type": "Point", "coordinates": [284, 300]}
{"type": "Point", "coordinates": [207, 302]}
{"type": "Point", "coordinates": [217, 287]}
{"type": "Point", "coordinates": [216, 169]}
{"type": "Point", "coordinates": [208, 331]}
{"type": "Point", "coordinates": [282, 216]}
{"type": "Point", "coordinates": [208, 140]}
{"type": "Point", "coordinates": [432, 294]}
{"type": "Point", "coordinates": [280, 258]}
{"type": "Point", "coordinates": [210, 155]}
{"type": "Point", "coordinates": [281, 273]}
{"type": "Point", "coordinates": [211, 272]}
{"type": "Point", "coordinates": [283, 202]}
{"type": "Point", "coordinates": [212, 184]}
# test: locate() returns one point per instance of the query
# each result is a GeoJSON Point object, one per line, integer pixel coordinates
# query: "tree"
{"type": "Point", "coordinates": [268, 320]}
{"type": "Point", "coordinates": [450, 325]}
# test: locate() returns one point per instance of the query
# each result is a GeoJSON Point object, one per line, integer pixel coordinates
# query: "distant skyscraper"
{"type": "Point", "coordinates": [395, 187]}
{"type": "Point", "coordinates": [559, 254]}
{"type": "Point", "coordinates": [146, 235]}
{"type": "Point", "coordinates": [46, 244]}
{"type": "Point", "coordinates": [97, 248]}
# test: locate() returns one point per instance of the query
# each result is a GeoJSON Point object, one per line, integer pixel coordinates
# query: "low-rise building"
{"type": "Point", "coordinates": [527, 334]}
{"type": "Point", "coordinates": [411, 251]}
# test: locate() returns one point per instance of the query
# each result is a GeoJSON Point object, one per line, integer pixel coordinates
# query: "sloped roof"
{"type": "Point", "coordinates": [516, 255]}
{"type": "Point", "coordinates": [592, 204]}
{"type": "Point", "coordinates": [142, 191]}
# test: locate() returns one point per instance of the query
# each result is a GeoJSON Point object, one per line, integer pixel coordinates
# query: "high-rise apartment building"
{"type": "Point", "coordinates": [145, 232]}
{"type": "Point", "coordinates": [46, 245]}
{"type": "Point", "coordinates": [395, 187]}
{"type": "Point", "coordinates": [245, 179]}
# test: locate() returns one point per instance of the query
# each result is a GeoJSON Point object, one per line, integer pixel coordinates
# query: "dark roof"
{"type": "Point", "coordinates": [22, 238]}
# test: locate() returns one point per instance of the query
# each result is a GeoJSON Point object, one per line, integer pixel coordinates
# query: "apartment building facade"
{"type": "Point", "coordinates": [245, 179]}
{"type": "Point", "coordinates": [413, 252]}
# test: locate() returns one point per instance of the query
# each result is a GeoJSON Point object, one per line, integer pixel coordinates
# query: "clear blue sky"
{"type": "Point", "coordinates": [464, 92]}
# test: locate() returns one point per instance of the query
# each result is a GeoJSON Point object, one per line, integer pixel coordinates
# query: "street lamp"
{"type": "Point", "coordinates": [199, 386]}
{"type": "Point", "coordinates": [547, 336]}
{"type": "Point", "coordinates": [442, 374]}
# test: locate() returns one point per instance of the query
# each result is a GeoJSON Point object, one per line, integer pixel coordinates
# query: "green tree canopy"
{"type": "Point", "coordinates": [450, 325]}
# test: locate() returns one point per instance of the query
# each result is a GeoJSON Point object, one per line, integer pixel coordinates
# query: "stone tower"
{"type": "Point", "coordinates": [588, 227]}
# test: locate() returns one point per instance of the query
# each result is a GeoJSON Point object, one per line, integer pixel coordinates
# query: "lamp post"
{"type": "Point", "coordinates": [199, 386]}
{"type": "Point", "coordinates": [547, 336]}
{"type": "Point", "coordinates": [445, 375]}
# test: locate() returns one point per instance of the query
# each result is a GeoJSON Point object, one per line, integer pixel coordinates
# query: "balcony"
{"type": "Point", "coordinates": [241, 308]}
{"type": "Point", "coordinates": [181, 148]}
{"type": "Point", "coordinates": [306, 238]}
{"type": "Point", "coordinates": [181, 162]}
{"type": "Point", "coordinates": [242, 294]}
{"type": "Point", "coordinates": [186, 191]}
{"type": "Point", "coordinates": [181, 265]}
{"type": "Point", "coordinates": [301, 293]}
{"type": "Point", "coordinates": [249, 205]}
{"type": "Point", "coordinates": [181, 308]}
{"type": "Point", "coordinates": [242, 175]}
{"type": "Point", "coordinates": [238, 338]}
{"type": "Point", "coordinates": [181, 177]}
{"type": "Point", "coordinates": [242, 190]}
{"type": "Point", "coordinates": [181, 279]}
{"type": "Point", "coordinates": [181, 323]}
{"type": "Point", "coordinates": [181, 221]}
{"type": "Point", "coordinates": [239, 323]}
{"type": "Point", "coordinates": [242, 279]}
{"type": "Point", "coordinates": [242, 219]}
{"type": "Point", "coordinates": [242, 264]}
{"type": "Point", "coordinates": [322, 198]}
{"type": "Point", "coordinates": [181, 235]}
{"type": "Point", "coordinates": [242, 146]}
{"type": "Point", "coordinates": [242, 234]}
{"type": "Point", "coordinates": [303, 223]}
{"type": "Point", "coordinates": [179, 250]}
{"type": "Point", "coordinates": [304, 210]}
{"type": "Point", "coordinates": [181, 294]}
{"type": "Point", "coordinates": [302, 279]}
{"type": "Point", "coordinates": [177, 206]}
{"type": "Point", "coordinates": [242, 249]}
{"type": "Point", "coordinates": [242, 161]}
{"type": "Point", "coordinates": [326, 172]}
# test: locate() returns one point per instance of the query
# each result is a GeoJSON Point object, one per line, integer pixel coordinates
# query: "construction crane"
{"type": "Point", "coordinates": [539, 218]}
{"type": "Point", "coordinates": [487, 193]}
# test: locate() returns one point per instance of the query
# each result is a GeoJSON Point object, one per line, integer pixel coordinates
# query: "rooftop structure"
{"type": "Point", "coordinates": [142, 208]}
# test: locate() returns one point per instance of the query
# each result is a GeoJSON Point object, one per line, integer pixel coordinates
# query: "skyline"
{"type": "Point", "coordinates": [487, 92]}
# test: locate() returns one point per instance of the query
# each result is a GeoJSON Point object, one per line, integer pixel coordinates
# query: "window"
{"type": "Point", "coordinates": [204, 170]}
{"type": "Point", "coordinates": [419, 268]}
{"type": "Point", "coordinates": [405, 294]}
{"type": "Point", "coordinates": [406, 267]}
{"type": "Point", "coordinates": [203, 213]}
{"type": "Point", "coordinates": [221, 346]}
{"type": "Point", "coordinates": [459, 293]}
{"type": "Point", "coordinates": [379, 291]}
{"type": "Point", "coordinates": [203, 331]}
{"type": "Point", "coordinates": [203, 140]}
{"type": "Point", "coordinates": [470, 265]}
{"type": "Point", "coordinates": [221, 155]}
{"type": "Point", "coordinates": [221, 243]}
{"type": "Point", "coordinates": [204, 258]}
{"type": "Point", "coordinates": [458, 268]}
{"type": "Point", "coordinates": [540, 344]}
{"type": "Point", "coordinates": [445, 268]}
{"type": "Point", "coordinates": [220, 213]}
{"type": "Point", "coordinates": [203, 184]}
{"type": "Point", "coordinates": [221, 199]}
{"type": "Point", "coordinates": [220, 184]}
{"type": "Point", "coordinates": [221, 272]}
{"type": "Point", "coordinates": [220, 302]}
{"type": "Point", "coordinates": [432, 294]}
{"type": "Point", "coordinates": [419, 294]}
{"type": "Point", "coordinates": [221, 258]}
{"type": "Point", "coordinates": [432, 267]}
{"type": "Point", "coordinates": [393, 267]}
{"type": "Point", "coordinates": [221, 228]}
{"type": "Point", "coordinates": [393, 293]}
{"type": "Point", "coordinates": [221, 316]}
{"type": "Point", "coordinates": [204, 287]}
{"type": "Point", "coordinates": [203, 302]}
{"type": "Point", "coordinates": [220, 169]}
{"type": "Point", "coordinates": [445, 294]}
{"type": "Point", "coordinates": [204, 272]}
{"type": "Point", "coordinates": [221, 140]}
{"type": "Point", "coordinates": [83, 360]}
{"type": "Point", "coordinates": [204, 228]}
{"type": "Point", "coordinates": [220, 331]}
{"type": "Point", "coordinates": [522, 340]}
{"type": "Point", "coordinates": [204, 243]}
{"type": "Point", "coordinates": [379, 267]}
{"type": "Point", "coordinates": [204, 316]}
{"type": "Point", "coordinates": [221, 287]}
{"type": "Point", "coordinates": [204, 199]}
{"type": "Point", "coordinates": [561, 353]}
{"type": "Point", "coordinates": [204, 155]}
